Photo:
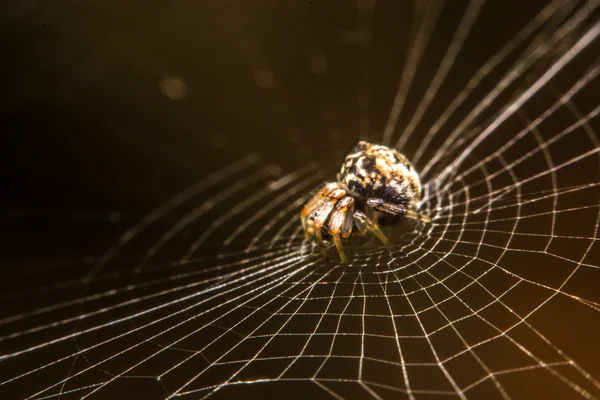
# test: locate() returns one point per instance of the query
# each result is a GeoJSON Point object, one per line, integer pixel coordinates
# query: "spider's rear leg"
{"type": "Point", "coordinates": [365, 224]}
{"type": "Point", "coordinates": [396, 209]}
{"type": "Point", "coordinates": [341, 223]}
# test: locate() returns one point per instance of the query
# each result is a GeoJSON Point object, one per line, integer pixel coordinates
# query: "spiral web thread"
{"type": "Point", "coordinates": [467, 306]}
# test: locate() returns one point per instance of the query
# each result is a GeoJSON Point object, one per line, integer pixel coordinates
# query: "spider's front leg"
{"type": "Point", "coordinates": [313, 220]}
{"type": "Point", "coordinates": [317, 212]}
{"type": "Point", "coordinates": [313, 206]}
{"type": "Point", "coordinates": [396, 209]}
{"type": "Point", "coordinates": [340, 222]}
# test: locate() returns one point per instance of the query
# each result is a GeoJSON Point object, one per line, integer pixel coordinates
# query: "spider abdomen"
{"type": "Point", "coordinates": [375, 171]}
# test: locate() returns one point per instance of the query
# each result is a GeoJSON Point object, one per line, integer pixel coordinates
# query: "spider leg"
{"type": "Point", "coordinates": [418, 216]}
{"type": "Point", "coordinates": [307, 217]}
{"type": "Point", "coordinates": [318, 210]}
{"type": "Point", "coordinates": [304, 226]}
{"type": "Point", "coordinates": [396, 209]}
{"type": "Point", "coordinates": [323, 215]}
{"type": "Point", "coordinates": [313, 205]}
{"type": "Point", "coordinates": [341, 223]}
{"type": "Point", "coordinates": [364, 225]}
{"type": "Point", "coordinates": [311, 208]}
{"type": "Point", "coordinates": [319, 240]}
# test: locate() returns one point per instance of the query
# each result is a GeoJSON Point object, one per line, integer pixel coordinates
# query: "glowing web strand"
{"type": "Point", "coordinates": [561, 63]}
{"type": "Point", "coordinates": [516, 72]}
{"type": "Point", "coordinates": [458, 40]}
{"type": "Point", "coordinates": [423, 36]}
{"type": "Point", "coordinates": [484, 71]}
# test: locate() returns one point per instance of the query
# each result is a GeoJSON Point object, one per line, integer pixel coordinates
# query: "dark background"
{"type": "Point", "coordinates": [95, 135]}
{"type": "Point", "coordinates": [88, 132]}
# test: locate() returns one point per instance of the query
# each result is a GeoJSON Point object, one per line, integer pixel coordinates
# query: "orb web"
{"type": "Point", "coordinates": [216, 293]}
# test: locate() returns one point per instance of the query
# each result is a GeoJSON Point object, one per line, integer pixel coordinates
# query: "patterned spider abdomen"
{"type": "Point", "coordinates": [376, 171]}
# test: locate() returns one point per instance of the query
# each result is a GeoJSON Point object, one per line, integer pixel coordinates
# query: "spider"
{"type": "Point", "coordinates": [374, 180]}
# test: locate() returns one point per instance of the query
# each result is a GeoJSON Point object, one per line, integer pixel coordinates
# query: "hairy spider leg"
{"type": "Point", "coordinates": [317, 212]}
{"type": "Point", "coordinates": [304, 215]}
{"type": "Point", "coordinates": [418, 216]}
{"type": "Point", "coordinates": [340, 222]}
{"type": "Point", "coordinates": [396, 209]}
{"type": "Point", "coordinates": [320, 220]}
{"type": "Point", "coordinates": [365, 224]}
{"type": "Point", "coordinates": [313, 204]}
{"type": "Point", "coordinates": [308, 216]}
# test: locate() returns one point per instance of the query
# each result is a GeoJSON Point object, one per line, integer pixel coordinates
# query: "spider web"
{"type": "Point", "coordinates": [216, 293]}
